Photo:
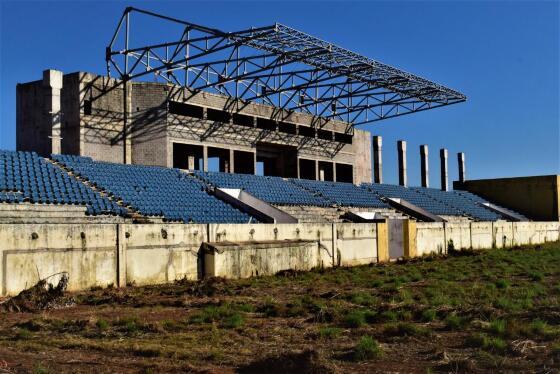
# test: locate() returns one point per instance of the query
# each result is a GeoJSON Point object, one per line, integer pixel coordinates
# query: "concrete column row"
{"type": "Point", "coordinates": [424, 164]}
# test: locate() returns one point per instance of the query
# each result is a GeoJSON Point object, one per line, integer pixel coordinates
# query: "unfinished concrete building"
{"type": "Point", "coordinates": [271, 99]}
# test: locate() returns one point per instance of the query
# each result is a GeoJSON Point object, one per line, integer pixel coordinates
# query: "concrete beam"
{"type": "Point", "coordinates": [461, 164]}
{"type": "Point", "coordinates": [401, 147]}
{"type": "Point", "coordinates": [52, 84]}
{"type": "Point", "coordinates": [424, 168]}
{"type": "Point", "coordinates": [377, 159]}
{"type": "Point", "coordinates": [443, 169]}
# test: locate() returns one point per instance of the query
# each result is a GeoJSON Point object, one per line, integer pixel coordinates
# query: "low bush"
{"type": "Point", "coordinates": [366, 349]}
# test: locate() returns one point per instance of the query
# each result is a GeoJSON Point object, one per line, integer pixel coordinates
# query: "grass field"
{"type": "Point", "coordinates": [496, 310]}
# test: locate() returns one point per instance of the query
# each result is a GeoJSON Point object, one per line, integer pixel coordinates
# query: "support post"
{"type": "Point", "coordinates": [52, 84]}
{"type": "Point", "coordinates": [231, 161]}
{"type": "Point", "coordinates": [377, 160]}
{"type": "Point", "coordinates": [401, 147]}
{"type": "Point", "coordinates": [461, 162]}
{"type": "Point", "coordinates": [424, 172]}
{"type": "Point", "coordinates": [204, 158]}
{"type": "Point", "coordinates": [255, 163]}
{"type": "Point", "coordinates": [317, 170]}
{"type": "Point", "coordinates": [334, 171]}
{"type": "Point", "coordinates": [443, 169]}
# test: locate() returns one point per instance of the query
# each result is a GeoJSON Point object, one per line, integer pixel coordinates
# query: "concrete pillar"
{"type": "Point", "coordinates": [443, 169]}
{"type": "Point", "coordinates": [190, 163]}
{"type": "Point", "coordinates": [52, 84]}
{"type": "Point", "coordinates": [425, 179]}
{"type": "Point", "coordinates": [317, 170]}
{"type": "Point", "coordinates": [377, 161]}
{"type": "Point", "coordinates": [461, 162]}
{"type": "Point", "coordinates": [231, 161]}
{"type": "Point", "coordinates": [204, 158]}
{"type": "Point", "coordinates": [255, 163]}
{"type": "Point", "coordinates": [334, 171]}
{"type": "Point", "coordinates": [127, 138]}
{"type": "Point", "coordinates": [401, 147]}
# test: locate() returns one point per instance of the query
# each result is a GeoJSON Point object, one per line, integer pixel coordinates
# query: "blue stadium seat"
{"type": "Point", "coordinates": [273, 190]}
{"type": "Point", "coordinates": [26, 177]}
{"type": "Point", "coordinates": [343, 194]}
{"type": "Point", "coordinates": [156, 191]}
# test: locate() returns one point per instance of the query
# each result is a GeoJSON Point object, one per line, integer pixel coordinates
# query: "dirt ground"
{"type": "Point", "coordinates": [495, 310]}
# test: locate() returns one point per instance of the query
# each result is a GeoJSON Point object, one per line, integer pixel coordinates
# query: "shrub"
{"type": "Point", "coordinates": [454, 322]}
{"type": "Point", "coordinates": [389, 316]}
{"type": "Point", "coordinates": [428, 315]}
{"type": "Point", "coordinates": [366, 349]}
{"type": "Point", "coordinates": [536, 276]}
{"type": "Point", "coordinates": [498, 327]}
{"type": "Point", "coordinates": [329, 332]}
{"type": "Point", "coordinates": [502, 284]}
{"type": "Point", "coordinates": [354, 319]}
{"type": "Point", "coordinates": [234, 321]}
{"type": "Point", "coordinates": [487, 343]}
{"type": "Point", "coordinates": [102, 324]}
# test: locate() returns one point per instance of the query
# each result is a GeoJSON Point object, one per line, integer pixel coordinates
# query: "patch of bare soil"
{"type": "Point", "coordinates": [303, 362]}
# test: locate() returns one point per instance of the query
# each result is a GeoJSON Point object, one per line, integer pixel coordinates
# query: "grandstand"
{"type": "Point", "coordinates": [173, 195]}
{"type": "Point", "coordinates": [214, 153]}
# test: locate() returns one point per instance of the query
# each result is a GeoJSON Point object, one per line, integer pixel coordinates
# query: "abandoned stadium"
{"type": "Point", "coordinates": [119, 180]}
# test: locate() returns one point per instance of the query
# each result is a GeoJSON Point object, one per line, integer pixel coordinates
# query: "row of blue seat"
{"type": "Point", "coordinates": [24, 176]}
{"type": "Point", "coordinates": [155, 191]}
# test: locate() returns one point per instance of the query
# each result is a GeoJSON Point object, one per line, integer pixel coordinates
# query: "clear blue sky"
{"type": "Point", "coordinates": [503, 55]}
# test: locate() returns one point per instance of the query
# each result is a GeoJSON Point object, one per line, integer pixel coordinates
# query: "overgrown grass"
{"type": "Point", "coordinates": [487, 300]}
{"type": "Point", "coordinates": [367, 349]}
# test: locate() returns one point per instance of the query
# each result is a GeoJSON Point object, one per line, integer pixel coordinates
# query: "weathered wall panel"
{"type": "Point", "coordinates": [323, 233]}
{"type": "Point", "coordinates": [356, 243]}
{"type": "Point", "coordinates": [253, 259]}
{"type": "Point", "coordinates": [458, 234]}
{"type": "Point", "coordinates": [162, 253]}
{"type": "Point", "coordinates": [481, 235]}
{"type": "Point", "coordinates": [31, 252]}
{"type": "Point", "coordinates": [430, 238]}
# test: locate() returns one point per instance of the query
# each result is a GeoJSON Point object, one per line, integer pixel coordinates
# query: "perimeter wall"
{"type": "Point", "coordinates": [122, 254]}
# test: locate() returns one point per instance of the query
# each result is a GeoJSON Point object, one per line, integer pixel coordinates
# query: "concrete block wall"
{"type": "Point", "coordinates": [244, 260]}
{"type": "Point", "coordinates": [430, 238]}
{"type": "Point", "coordinates": [148, 124]}
{"type": "Point", "coordinates": [155, 254]}
{"type": "Point", "coordinates": [322, 233]}
{"type": "Point", "coordinates": [356, 243]}
{"type": "Point", "coordinates": [124, 253]}
{"type": "Point", "coordinates": [30, 252]}
{"type": "Point", "coordinates": [101, 131]}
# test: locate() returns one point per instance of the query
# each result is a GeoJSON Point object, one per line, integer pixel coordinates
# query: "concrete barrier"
{"type": "Point", "coordinates": [247, 259]}
{"type": "Point", "coordinates": [458, 234]}
{"type": "Point", "coordinates": [30, 252]}
{"type": "Point", "coordinates": [156, 254]}
{"type": "Point", "coordinates": [430, 238]}
{"type": "Point", "coordinates": [481, 235]}
{"type": "Point", "coordinates": [356, 243]}
{"type": "Point", "coordinates": [104, 254]}
{"type": "Point", "coordinates": [502, 234]}
{"type": "Point", "coordinates": [323, 233]}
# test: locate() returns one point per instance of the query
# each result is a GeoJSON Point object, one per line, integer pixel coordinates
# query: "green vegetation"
{"type": "Point", "coordinates": [474, 306]}
{"type": "Point", "coordinates": [366, 349]}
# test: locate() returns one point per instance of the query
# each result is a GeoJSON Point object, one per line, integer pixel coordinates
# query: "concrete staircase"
{"type": "Point", "coordinates": [312, 214]}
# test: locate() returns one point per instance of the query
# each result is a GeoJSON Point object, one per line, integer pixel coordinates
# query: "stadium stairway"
{"type": "Point", "coordinates": [128, 211]}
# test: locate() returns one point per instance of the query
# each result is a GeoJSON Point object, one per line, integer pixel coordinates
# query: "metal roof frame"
{"type": "Point", "coordinates": [278, 66]}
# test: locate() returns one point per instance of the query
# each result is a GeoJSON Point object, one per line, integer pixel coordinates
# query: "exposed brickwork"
{"type": "Point", "coordinates": [93, 125]}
